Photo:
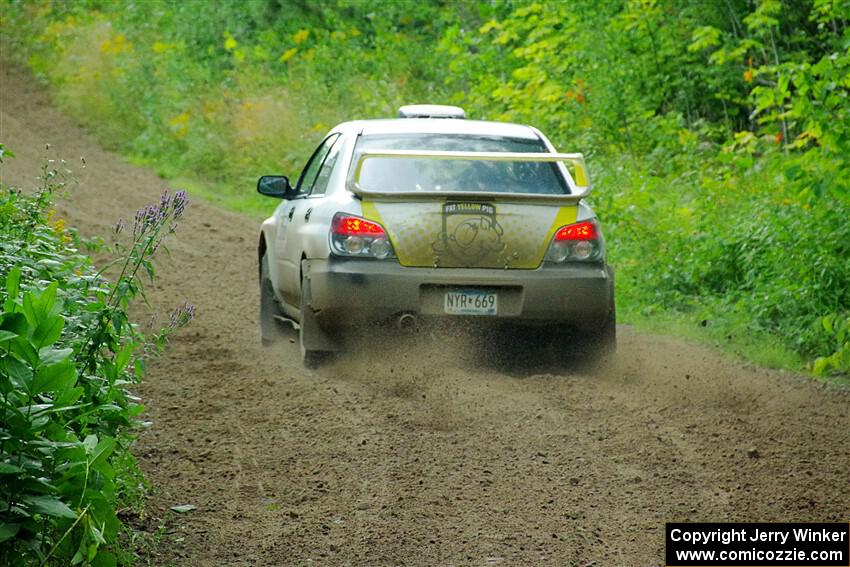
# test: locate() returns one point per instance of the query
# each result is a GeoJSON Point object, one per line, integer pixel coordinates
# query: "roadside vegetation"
{"type": "Point", "coordinates": [718, 133]}
{"type": "Point", "coordinates": [69, 356]}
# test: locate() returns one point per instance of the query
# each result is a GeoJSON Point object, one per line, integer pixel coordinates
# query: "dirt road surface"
{"type": "Point", "coordinates": [397, 457]}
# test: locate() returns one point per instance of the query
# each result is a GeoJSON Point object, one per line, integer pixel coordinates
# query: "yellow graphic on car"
{"type": "Point", "coordinates": [469, 234]}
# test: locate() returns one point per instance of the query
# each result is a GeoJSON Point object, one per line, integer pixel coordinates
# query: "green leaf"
{"type": "Point", "coordinates": [48, 331]}
{"type": "Point", "coordinates": [827, 323]}
{"type": "Point", "coordinates": [69, 397]}
{"type": "Point", "coordinates": [90, 442]}
{"type": "Point", "coordinates": [183, 508]}
{"type": "Point", "coordinates": [49, 505]}
{"type": "Point", "coordinates": [793, 172]}
{"type": "Point", "coordinates": [7, 336]}
{"type": "Point", "coordinates": [47, 299]}
{"type": "Point", "coordinates": [55, 377]}
{"type": "Point", "coordinates": [20, 373]}
{"type": "Point", "coordinates": [30, 309]}
{"type": "Point", "coordinates": [39, 306]}
{"type": "Point", "coordinates": [9, 468]}
{"type": "Point", "coordinates": [8, 531]}
{"type": "Point", "coordinates": [13, 282]}
{"type": "Point", "coordinates": [22, 347]}
{"type": "Point", "coordinates": [844, 357]}
{"type": "Point", "coordinates": [102, 451]}
{"type": "Point", "coordinates": [149, 268]}
{"type": "Point", "coordinates": [15, 322]}
{"type": "Point", "coordinates": [95, 534]}
{"type": "Point", "coordinates": [123, 357]}
{"type": "Point", "coordinates": [820, 366]}
{"type": "Point", "coordinates": [104, 559]}
{"type": "Point", "coordinates": [54, 355]}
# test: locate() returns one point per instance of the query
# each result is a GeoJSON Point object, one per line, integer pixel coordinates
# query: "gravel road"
{"type": "Point", "coordinates": [426, 456]}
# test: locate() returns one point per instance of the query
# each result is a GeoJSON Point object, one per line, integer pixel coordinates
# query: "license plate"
{"type": "Point", "coordinates": [471, 302]}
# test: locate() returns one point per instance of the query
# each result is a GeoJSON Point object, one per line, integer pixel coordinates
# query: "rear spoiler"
{"type": "Point", "coordinates": [579, 185]}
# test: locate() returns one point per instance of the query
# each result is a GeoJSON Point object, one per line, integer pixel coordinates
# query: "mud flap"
{"type": "Point", "coordinates": [313, 336]}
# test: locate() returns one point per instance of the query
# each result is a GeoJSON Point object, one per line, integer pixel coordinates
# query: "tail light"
{"type": "Point", "coordinates": [579, 242]}
{"type": "Point", "coordinates": [354, 236]}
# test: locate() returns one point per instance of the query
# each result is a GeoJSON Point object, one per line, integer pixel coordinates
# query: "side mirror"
{"type": "Point", "coordinates": [275, 186]}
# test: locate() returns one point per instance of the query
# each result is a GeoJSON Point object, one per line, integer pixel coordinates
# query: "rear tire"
{"type": "Point", "coordinates": [270, 332]}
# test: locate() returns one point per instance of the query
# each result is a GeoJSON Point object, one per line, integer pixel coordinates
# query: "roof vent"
{"type": "Point", "coordinates": [431, 111]}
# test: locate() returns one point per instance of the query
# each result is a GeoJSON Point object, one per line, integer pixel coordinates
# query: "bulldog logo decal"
{"type": "Point", "coordinates": [470, 234]}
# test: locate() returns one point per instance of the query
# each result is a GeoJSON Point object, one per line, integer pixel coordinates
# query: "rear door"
{"type": "Point", "coordinates": [294, 217]}
{"type": "Point", "coordinates": [311, 188]}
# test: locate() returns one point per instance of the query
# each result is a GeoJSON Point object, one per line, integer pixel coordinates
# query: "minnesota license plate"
{"type": "Point", "coordinates": [471, 302]}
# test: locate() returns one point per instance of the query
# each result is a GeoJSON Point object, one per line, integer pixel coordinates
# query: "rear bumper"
{"type": "Point", "coordinates": [353, 292]}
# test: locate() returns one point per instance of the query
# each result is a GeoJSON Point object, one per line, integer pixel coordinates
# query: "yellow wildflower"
{"type": "Point", "coordinates": [230, 43]}
{"type": "Point", "coordinates": [288, 54]}
{"type": "Point", "coordinates": [181, 118]}
{"type": "Point", "coordinates": [115, 45]}
{"type": "Point", "coordinates": [301, 36]}
{"type": "Point", "coordinates": [162, 47]}
{"type": "Point", "coordinates": [180, 124]}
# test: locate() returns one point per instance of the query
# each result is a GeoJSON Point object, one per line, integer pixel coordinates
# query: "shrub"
{"type": "Point", "coordinates": [68, 353]}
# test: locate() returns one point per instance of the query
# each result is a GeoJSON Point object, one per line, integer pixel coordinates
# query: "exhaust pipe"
{"type": "Point", "coordinates": [406, 322]}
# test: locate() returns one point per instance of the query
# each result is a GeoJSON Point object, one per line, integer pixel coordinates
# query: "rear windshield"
{"type": "Point", "coordinates": [419, 174]}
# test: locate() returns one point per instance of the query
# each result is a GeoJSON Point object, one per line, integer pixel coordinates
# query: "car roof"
{"type": "Point", "coordinates": [438, 126]}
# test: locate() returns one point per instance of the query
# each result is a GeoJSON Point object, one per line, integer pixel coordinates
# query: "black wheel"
{"type": "Point", "coordinates": [310, 357]}
{"type": "Point", "coordinates": [270, 332]}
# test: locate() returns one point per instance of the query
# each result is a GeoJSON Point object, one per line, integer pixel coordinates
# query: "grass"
{"type": "Point", "coordinates": [244, 199]}
{"type": "Point", "coordinates": [727, 335]}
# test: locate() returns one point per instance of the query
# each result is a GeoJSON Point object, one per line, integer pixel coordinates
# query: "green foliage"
{"type": "Point", "coordinates": [718, 132]}
{"type": "Point", "coordinates": [837, 331]}
{"type": "Point", "coordinates": [68, 353]}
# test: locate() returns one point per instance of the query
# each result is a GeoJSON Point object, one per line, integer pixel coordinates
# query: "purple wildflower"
{"type": "Point", "coordinates": [180, 201]}
{"type": "Point", "coordinates": [119, 226]}
{"type": "Point", "coordinates": [182, 314]}
{"type": "Point", "coordinates": [165, 201]}
{"type": "Point", "coordinates": [138, 223]}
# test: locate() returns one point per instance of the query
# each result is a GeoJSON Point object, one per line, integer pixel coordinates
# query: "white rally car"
{"type": "Point", "coordinates": [428, 216]}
